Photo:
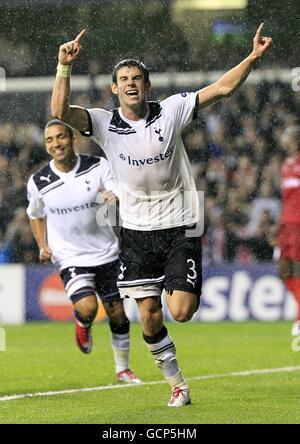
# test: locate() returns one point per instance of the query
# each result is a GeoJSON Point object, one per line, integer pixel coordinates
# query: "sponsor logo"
{"type": "Point", "coordinates": [76, 209]}
{"type": "Point", "coordinates": [47, 179]}
{"type": "Point", "coordinates": [148, 160]}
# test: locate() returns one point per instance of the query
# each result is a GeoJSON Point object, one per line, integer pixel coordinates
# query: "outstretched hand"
{"type": "Point", "coordinates": [260, 43]}
{"type": "Point", "coordinates": [68, 52]}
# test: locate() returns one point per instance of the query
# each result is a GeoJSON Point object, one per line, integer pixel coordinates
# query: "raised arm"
{"type": "Point", "coordinates": [232, 80]}
{"type": "Point", "coordinates": [60, 102]}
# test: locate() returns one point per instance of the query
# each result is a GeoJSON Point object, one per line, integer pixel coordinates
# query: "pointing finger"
{"type": "Point", "coordinates": [260, 28]}
{"type": "Point", "coordinates": [80, 35]}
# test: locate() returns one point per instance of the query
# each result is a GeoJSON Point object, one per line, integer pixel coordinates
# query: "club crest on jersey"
{"type": "Point", "coordinates": [88, 183]}
{"type": "Point", "coordinates": [158, 131]}
{"type": "Point", "coordinates": [72, 271]}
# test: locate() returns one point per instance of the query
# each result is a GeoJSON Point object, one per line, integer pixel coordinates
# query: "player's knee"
{"type": "Point", "coordinates": [115, 311]}
{"type": "Point", "coordinates": [284, 269]}
{"type": "Point", "coordinates": [87, 308]}
{"type": "Point", "coordinates": [151, 321]}
{"type": "Point", "coordinates": [182, 314]}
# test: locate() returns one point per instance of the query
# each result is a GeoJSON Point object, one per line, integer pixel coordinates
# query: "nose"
{"type": "Point", "coordinates": [56, 143]}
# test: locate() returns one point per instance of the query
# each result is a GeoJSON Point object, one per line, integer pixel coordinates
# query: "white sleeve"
{"type": "Point", "coordinates": [182, 108]}
{"type": "Point", "coordinates": [107, 180]}
{"type": "Point", "coordinates": [35, 209]}
{"type": "Point", "coordinates": [99, 124]}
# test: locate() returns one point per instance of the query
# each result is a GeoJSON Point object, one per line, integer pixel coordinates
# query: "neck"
{"type": "Point", "coordinates": [66, 165]}
{"type": "Point", "coordinates": [135, 113]}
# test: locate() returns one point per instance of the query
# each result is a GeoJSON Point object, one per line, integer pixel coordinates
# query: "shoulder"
{"type": "Point", "coordinates": [180, 99]}
{"type": "Point", "coordinates": [44, 177]}
{"type": "Point", "coordinates": [155, 111]}
{"type": "Point", "coordinates": [87, 163]}
{"type": "Point", "coordinates": [97, 118]}
{"type": "Point", "coordinates": [99, 114]}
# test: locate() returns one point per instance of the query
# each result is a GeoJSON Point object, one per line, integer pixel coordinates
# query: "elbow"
{"type": "Point", "coordinates": [227, 91]}
{"type": "Point", "coordinates": [58, 114]}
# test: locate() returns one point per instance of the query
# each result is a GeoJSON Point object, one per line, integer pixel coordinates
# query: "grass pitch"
{"type": "Point", "coordinates": [42, 357]}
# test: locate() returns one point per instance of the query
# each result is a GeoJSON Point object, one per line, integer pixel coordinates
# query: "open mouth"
{"type": "Point", "coordinates": [59, 151]}
{"type": "Point", "coordinates": [132, 93]}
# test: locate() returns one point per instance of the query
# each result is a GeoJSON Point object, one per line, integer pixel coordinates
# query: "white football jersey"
{"type": "Point", "coordinates": [149, 162]}
{"type": "Point", "coordinates": [70, 203]}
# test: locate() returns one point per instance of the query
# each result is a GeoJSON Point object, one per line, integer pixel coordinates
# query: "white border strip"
{"type": "Point", "coordinates": [118, 386]}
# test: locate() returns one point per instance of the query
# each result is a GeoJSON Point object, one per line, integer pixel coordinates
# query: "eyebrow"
{"type": "Point", "coordinates": [126, 77]}
{"type": "Point", "coordinates": [51, 137]}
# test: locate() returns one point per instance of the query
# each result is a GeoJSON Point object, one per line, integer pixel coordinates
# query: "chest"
{"type": "Point", "coordinates": [71, 192]}
{"type": "Point", "coordinates": [143, 140]}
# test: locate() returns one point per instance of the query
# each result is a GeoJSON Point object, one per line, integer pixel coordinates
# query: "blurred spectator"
{"type": "Point", "coordinates": [5, 247]}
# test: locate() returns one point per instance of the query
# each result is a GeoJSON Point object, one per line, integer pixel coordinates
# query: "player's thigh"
{"type": "Point", "coordinates": [140, 263]}
{"type": "Point", "coordinates": [284, 267]}
{"type": "Point", "coordinates": [114, 309]}
{"type": "Point", "coordinates": [183, 273]}
{"type": "Point", "coordinates": [106, 282]}
{"type": "Point", "coordinates": [182, 304]}
{"type": "Point", "coordinates": [289, 242]}
{"type": "Point", "coordinates": [79, 284]}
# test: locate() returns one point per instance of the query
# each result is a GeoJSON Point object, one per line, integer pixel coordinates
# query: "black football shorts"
{"type": "Point", "coordinates": [80, 282]}
{"type": "Point", "coordinates": [162, 257]}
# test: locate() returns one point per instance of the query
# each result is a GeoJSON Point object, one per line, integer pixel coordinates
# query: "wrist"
{"type": "Point", "coordinates": [63, 70]}
{"type": "Point", "coordinates": [254, 57]}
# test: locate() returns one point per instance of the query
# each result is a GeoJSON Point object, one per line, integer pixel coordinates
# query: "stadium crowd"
{"type": "Point", "coordinates": [236, 149]}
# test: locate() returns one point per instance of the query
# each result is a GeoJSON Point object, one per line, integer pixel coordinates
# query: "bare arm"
{"type": "Point", "coordinates": [232, 80]}
{"type": "Point", "coordinates": [60, 102]}
{"type": "Point", "coordinates": [39, 230]}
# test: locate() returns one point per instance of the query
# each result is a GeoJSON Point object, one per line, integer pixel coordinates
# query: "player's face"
{"type": "Point", "coordinates": [59, 144]}
{"type": "Point", "coordinates": [131, 87]}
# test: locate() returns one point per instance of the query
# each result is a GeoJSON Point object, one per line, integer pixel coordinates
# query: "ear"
{"type": "Point", "coordinates": [114, 88]}
{"type": "Point", "coordinates": [148, 86]}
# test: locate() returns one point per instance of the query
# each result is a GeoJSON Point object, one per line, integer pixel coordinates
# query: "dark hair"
{"type": "Point", "coordinates": [59, 122]}
{"type": "Point", "coordinates": [131, 63]}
